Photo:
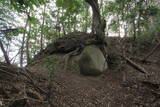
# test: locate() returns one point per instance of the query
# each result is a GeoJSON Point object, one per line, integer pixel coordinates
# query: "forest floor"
{"type": "Point", "coordinates": [120, 86]}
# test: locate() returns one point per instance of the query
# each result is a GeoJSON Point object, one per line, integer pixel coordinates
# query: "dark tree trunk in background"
{"type": "Point", "coordinates": [58, 28]}
{"type": "Point", "coordinates": [86, 18]}
{"type": "Point", "coordinates": [98, 24]}
{"type": "Point", "coordinates": [63, 25]}
{"type": "Point", "coordinates": [42, 28]}
{"type": "Point", "coordinates": [23, 43]}
{"type": "Point", "coordinates": [134, 29]}
{"type": "Point", "coordinates": [28, 45]}
{"type": "Point", "coordinates": [4, 52]}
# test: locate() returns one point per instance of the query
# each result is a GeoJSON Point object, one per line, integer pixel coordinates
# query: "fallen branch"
{"type": "Point", "coordinates": [138, 59]}
{"type": "Point", "coordinates": [11, 74]}
{"type": "Point", "coordinates": [134, 65]}
{"type": "Point", "coordinates": [5, 31]}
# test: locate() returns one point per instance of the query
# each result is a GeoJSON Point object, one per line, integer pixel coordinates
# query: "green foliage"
{"type": "Point", "coordinates": [33, 20]}
{"type": "Point", "coordinates": [51, 19]}
{"type": "Point", "coordinates": [114, 25]}
{"type": "Point", "coordinates": [21, 5]}
{"type": "Point", "coordinates": [138, 15]}
{"type": "Point", "coordinates": [152, 10]}
{"type": "Point", "coordinates": [70, 5]}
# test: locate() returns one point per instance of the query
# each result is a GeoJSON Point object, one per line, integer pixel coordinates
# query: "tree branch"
{"type": "Point", "coordinates": [8, 30]}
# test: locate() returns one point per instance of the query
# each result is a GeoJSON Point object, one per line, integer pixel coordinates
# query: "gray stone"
{"type": "Point", "coordinates": [92, 61]}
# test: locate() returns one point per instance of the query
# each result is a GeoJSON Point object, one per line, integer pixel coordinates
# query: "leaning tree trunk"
{"type": "Point", "coordinates": [98, 24]}
{"type": "Point", "coordinates": [4, 53]}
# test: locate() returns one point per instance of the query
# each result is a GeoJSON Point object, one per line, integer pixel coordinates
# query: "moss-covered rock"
{"type": "Point", "coordinates": [92, 61]}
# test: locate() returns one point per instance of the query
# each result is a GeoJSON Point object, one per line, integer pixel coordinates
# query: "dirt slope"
{"type": "Point", "coordinates": [119, 87]}
{"type": "Point", "coordinates": [44, 83]}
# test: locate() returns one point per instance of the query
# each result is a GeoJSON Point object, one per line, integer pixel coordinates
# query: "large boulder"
{"type": "Point", "coordinates": [92, 61]}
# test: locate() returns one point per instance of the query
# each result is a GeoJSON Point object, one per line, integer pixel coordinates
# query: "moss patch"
{"type": "Point", "coordinates": [73, 64]}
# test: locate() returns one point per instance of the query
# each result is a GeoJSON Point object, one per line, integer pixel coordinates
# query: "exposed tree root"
{"type": "Point", "coordinates": [69, 55]}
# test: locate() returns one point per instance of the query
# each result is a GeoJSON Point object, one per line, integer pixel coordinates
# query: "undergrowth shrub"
{"type": "Point", "coordinates": [144, 41]}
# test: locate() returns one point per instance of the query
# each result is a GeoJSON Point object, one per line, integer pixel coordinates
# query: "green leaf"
{"type": "Point", "coordinates": [33, 20]}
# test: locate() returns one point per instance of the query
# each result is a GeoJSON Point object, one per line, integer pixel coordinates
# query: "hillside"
{"type": "Point", "coordinates": [45, 82]}
{"type": "Point", "coordinates": [79, 53]}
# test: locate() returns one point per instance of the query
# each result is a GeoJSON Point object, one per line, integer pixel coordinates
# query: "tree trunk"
{"type": "Point", "coordinates": [58, 28]}
{"type": "Point", "coordinates": [138, 25]}
{"type": "Point", "coordinates": [134, 30]}
{"type": "Point", "coordinates": [98, 25]}
{"type": "Point", "coordinates": [63, 26]}
{"type": "Point", "coordinates": [22, 47]}
{"type": "Point", "coordinates": [42, 28]}
{"type": "Point", "coordinates": [125, 30]}
{"type": "Point", "coordinates": [101, 7]}
{"type": "Point", "coordinates": [139, 4]}
{"type": "Point", "coordinates": [69, 24]}
{"type": "Point", "coordinates": [85, 29]}
{"type": "Point", "coordinates": [27, 45]}
{"type": "Point", "coordinates": [4, 52]}
{"type": "Point", "coordinates": [119, 28]}
{"type": "Point", "coordinates": [74, 26]}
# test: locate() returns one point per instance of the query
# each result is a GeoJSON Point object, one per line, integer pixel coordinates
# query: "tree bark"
{"type": "Point", "coordinates": [4, 53]}
{"type": "Point", "coordinates": [98, 25]}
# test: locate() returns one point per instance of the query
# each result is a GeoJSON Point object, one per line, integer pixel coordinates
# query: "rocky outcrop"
{"type": "Point", "coordinates": [92, 61]}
